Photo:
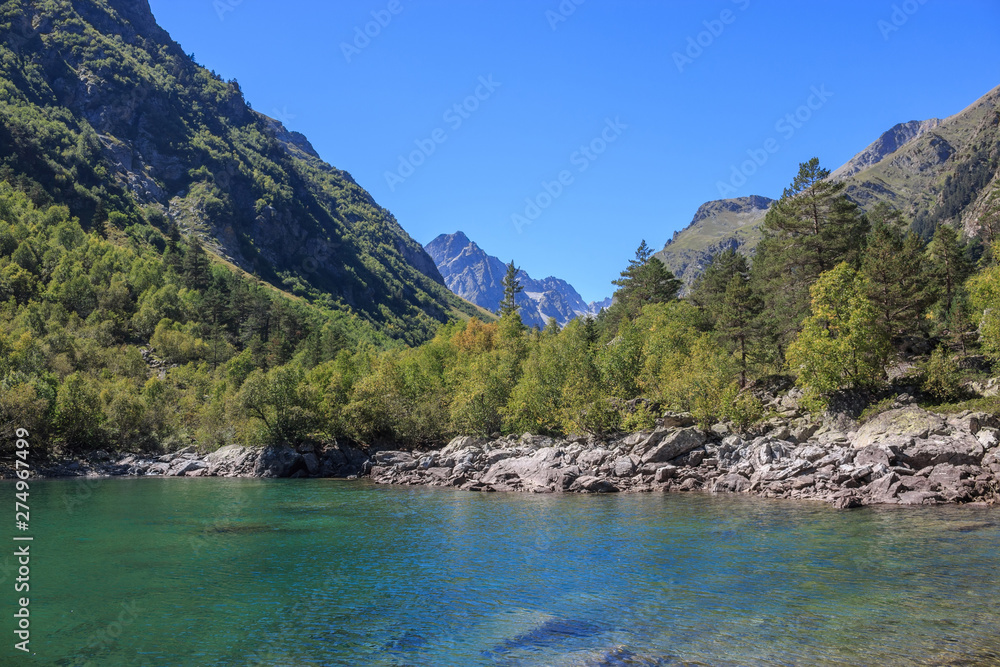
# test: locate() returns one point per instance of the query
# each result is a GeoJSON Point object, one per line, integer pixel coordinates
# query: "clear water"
{"type": "Point", "coordinates": [220, 572]}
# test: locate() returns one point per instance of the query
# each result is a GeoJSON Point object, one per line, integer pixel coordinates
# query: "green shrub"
{"type": "Point", "coordinates": [943, 377]}
{"type": "Point", "coordinates": [741, 408]}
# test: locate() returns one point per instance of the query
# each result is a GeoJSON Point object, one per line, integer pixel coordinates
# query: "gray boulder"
{"type": "Point", "coordinates": [592, 484]}
{"type": "Point", "coordinates": [672, 444]}
{"type": "Point", "coordinates": [960, 450]}
{"type": "Point", "coordinates": [624, 466]}
{"type": "Point", "coordinates": [232, 461]}
{"type": "Point", "coordinates": [279, 462]}
{"type": "Point", "coordinates": [732, 483]}
{"type": "Point", "coordinates": [907, 422]}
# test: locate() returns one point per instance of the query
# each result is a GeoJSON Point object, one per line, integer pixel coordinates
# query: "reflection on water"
{"type": "Point", "coordinates": [279, 573]}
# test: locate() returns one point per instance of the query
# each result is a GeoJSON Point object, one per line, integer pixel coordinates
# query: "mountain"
{"type": "Point", "coordinates": [943, 174]}
{"type": "Point", "coordinates": [935, 171]}
{"type": "Point", "coordinates": [717, 225]}
{"type": "Point", "coordinates": [103, 112]}
{"type": "Point", "coordinates": [891, 140]}
{"type": "Point", "coordinates": [477, 277]}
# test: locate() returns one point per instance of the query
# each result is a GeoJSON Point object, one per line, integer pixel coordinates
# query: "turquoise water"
{"type": "Point", "coordinates": [320, 572]}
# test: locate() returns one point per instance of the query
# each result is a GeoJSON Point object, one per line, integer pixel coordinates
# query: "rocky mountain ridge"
{"type": "Point", "coordinates": [718, 225]}
{"type": "Point", "coordinates": [889, 142]}
{"type": "Point", "coordinates": [476, 276]}
{"type": "Point", "coordinates": [935, 171]}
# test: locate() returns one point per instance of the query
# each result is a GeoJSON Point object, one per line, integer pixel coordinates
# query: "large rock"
{"type": "Point", "coordinates": [732, 483]}
{"type": "Point", "coordinates": [232, 461]}
{"type": "Point", "coordinates": [673, 444]}
{"type": "Point", "coordinates": [182, 467]}
{"type": "Point", "coordinates": [461, 442]}
{"type": "Point", "coordinates": [884, 489]}
{"type": "Point", "coordinates": [593, 457]}
{"type": "Point", "coordinates": [339, 460]}
{"type": "Point", "coordinates": [956, 450]}
{"type": "Point", "coordinates": [279, 462]}
{"type": "Point", "coordinates": [873, 455]}
{"type": "Point", "coordinates": [624, 466]}
{"type": "Point", "coordinates": [908, 422]}
{"type": "Point", "coordinates": [592, 484]}
{"type": "Point", "coordinates": [540, 471]}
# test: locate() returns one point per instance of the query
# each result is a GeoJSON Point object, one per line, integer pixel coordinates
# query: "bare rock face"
{"type": "Point", "coordinates": [900, 424]}
{"type": "Point", "coordinates": [732, 483]}
{"type": "Point", "coordinates": [592, 484]}
{"type": "Point", "coordinates": [960, 450]}
{"type": "Point", "coordinates": [231, 461]}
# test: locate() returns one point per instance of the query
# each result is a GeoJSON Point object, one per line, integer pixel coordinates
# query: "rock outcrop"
{"type": "Point", "coordinates": [905, 456]}
{"type": "Point", "coordinates": [333, 460]}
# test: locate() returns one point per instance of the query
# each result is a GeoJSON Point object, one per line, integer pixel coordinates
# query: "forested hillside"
{"type": "Point", "coordinates": [933, 171]}
{"type": "Point", "coordinates": [835, 299]}
{"type": "Point", "coordinates": [102, 112]}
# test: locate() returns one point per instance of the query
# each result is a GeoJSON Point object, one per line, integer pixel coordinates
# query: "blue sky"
{"type": "Point", "coordinates": [562, 134]}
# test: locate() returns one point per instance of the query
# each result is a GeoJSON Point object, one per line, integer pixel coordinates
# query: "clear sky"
{"type": "Point", "coordinates": [643, 108]}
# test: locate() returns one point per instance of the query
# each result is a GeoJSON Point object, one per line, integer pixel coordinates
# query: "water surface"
{"type": "Point", "coordinates": [221, 572]}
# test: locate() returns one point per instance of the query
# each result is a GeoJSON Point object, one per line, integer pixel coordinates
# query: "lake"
{"type": "Point", "coordinates": [234, 572]}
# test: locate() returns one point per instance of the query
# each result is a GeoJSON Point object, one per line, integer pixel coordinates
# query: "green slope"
{"type": "Point", "coordinates": [942, 176]}
{"type": "Point", "coordinates": [934, 171]}
{"type": "Point", "coordinates": [717, 226]}
{"type": "Point", "coordinates": [100, 110]}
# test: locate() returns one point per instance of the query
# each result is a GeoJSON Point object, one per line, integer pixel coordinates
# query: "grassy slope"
{"type": "Point", "coordinates": [721, 228]}
{"type": "Point", "coordinates": [911, 179]}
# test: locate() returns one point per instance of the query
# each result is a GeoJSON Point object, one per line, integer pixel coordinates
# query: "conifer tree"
{"type": "Point", "coordinates": [893, 266]}
{"type": "Point", "coordinates": [646, 280]}
{"type": "Point", "coordinates": [709, 289]}
{"type": "Point", "coordinates": [738, 318]}
{"type": "Point", "coordinates": [948, 264]}
{"type": "Point", "coordinates": [810, 230]}
{"type": "Point", "coordinates": [196, 267]}
{"type": "Point", "coordinates": [511, 288]}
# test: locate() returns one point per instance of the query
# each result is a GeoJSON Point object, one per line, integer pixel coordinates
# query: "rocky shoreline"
{"type": "Point", "coordinates": [904, 456]}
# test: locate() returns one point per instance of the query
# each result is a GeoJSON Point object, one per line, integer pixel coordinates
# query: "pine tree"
{"type": "Point", "coordinates": [646, 280]}
{"type": "Point", "coordinates": [511, 288]}
{"type": "Point", "coordinates": [989, 221]}
{"type": "Point", "coordinates": [898, 285]}
{"type": "Point", "coordinates": [810, 230]}
{"type": "Point", "coordinates": [948, 265]}
{"type": "Point", "coordinates": [196, 267]}
{"type": "Point", "coordinates": [709, 289]}
{"type": "Point", "coordinates": [738, 316]}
